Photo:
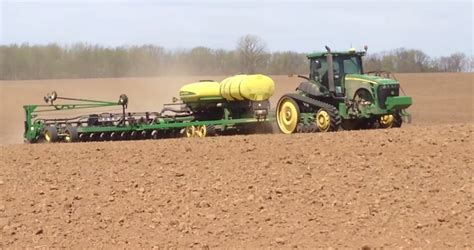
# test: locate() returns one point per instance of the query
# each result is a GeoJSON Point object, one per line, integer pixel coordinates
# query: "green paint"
{"type": "Point", "coordinates": [34, 128]}
{"type": "Point", "coordinates": [307, 118]}
{"type": "Point", "coordinates": [349, 81]}
{"type": "Point", "coordinates": [34, 125]}
{"type": "Point", "coordinates": [398, 102]}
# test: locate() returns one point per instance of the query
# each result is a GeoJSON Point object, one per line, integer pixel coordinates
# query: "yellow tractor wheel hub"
{"type": "Point", "coordinates": [287, 116]}
{"type": "Point", "coordinates": [387, 121]}
{"type": "Point", "coordinates": [323, 120]}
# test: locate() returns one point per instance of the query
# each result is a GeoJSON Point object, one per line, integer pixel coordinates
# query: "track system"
{"type": "Point", "coordinates": [301, 114]}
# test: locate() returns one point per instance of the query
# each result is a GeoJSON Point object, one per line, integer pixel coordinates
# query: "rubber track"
{"type": "Point", "coordinates": [333, 112]}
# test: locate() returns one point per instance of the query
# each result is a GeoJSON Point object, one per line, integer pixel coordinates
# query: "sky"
{"type": "Point", "coordinates": [437, 28]}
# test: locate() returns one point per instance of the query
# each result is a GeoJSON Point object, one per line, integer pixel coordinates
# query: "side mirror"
{"type": "Point", "coordinates": [317, 64]}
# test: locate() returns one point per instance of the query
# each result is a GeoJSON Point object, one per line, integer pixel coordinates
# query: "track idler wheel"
{"type": "Point", "coordinates": [288, 115]}
{"type": "Point", "coordinates": [50, 134]}
{"type": "Point", "coordinates": [390, 121]}
{"type": "Point", "coordinates": [327, 120]}
{"type": "Point", "coordinates": [386, 121]}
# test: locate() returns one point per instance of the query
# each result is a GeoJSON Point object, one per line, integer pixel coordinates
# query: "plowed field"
{"type": "Point", "coordinates": [408, 187]}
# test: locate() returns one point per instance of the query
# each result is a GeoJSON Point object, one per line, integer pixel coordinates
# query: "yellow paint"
{"type": "Point", "coordinates": [323, 120]}
{"type": "Point", "coordinates": [201, 131]}
{"type": "Point", "coordinates": [387, 121]}
{"type": "Point", "coordinates": [229, 87]}
{"type": "Point", "coordinates": [194, 91]}
{"type": "Point", "coordinates": [47, 136]}
{"type": "Point", "coordinates": [247, 87]}
{"type": "Point", "coordinates": [287, 116]}
{"type": "Point", "coordinates": [360, 80]}
{"type": "Point", "coordinates": [239, 87]}
{"type": "Point", "coordinates": [190, 131]}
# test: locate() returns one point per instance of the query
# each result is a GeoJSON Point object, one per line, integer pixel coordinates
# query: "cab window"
{"type": "Point", "coordinates": [352, 65]}
{"type": "Point", "coordinates": [315, 73]}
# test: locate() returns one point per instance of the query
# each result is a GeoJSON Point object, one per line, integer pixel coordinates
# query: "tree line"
{"type": "Point", "coordinates": [52, 61]}
{"type": "Point", "coordinates": [413, 61]}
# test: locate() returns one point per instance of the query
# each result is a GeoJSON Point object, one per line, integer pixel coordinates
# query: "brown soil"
{"type": "Point", "coordinates": [439, 97]}
{"type": "Point", "coordinates": [408, 187]}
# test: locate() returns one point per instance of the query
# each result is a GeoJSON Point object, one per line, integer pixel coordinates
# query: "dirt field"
{"type": "Point", "coordinates": [439, 98]}
{"type": "Point", "coordinates": [408, 187]}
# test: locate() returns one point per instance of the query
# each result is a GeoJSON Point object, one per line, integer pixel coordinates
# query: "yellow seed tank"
{"type": "Point", "coordinates": [235, 88]}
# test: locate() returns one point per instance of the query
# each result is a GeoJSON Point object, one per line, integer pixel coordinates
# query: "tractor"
{"type": "Point", "coordinates": [337, 95]}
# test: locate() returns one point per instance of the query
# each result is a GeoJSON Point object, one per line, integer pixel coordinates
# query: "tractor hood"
{"type": "Point", "coordinates": [386, 91]}
{"type": "Point", "coordinates": [374, 80]}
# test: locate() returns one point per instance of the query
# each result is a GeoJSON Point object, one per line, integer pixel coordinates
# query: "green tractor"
{"type": "Point", "coordinates": [338, 95]}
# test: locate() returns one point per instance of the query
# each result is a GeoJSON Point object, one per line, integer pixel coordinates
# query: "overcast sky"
{"type": "Point", "coordinates": [438, 28]}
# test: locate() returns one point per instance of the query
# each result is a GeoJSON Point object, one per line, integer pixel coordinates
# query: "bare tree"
{"type": "Point", "coordinates": [470, 64]}
{"type": "Point", "coordinates": [457, 61]}
{"type": "Point", "coordinates": [252, 53]}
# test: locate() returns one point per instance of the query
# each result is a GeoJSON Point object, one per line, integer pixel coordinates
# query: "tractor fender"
{"type": "Point", "coordinates": [352, 86]}
{"type": "Point", "coordinates": [310, 88]}
{"type": "Point", "coordinates": [362, 88]}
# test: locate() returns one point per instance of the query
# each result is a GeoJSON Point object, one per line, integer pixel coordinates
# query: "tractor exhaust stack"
{"type": "Point", "coordinates": [331, 86]}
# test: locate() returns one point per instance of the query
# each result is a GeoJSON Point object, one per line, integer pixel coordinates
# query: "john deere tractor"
{"type": "Point", "coordinates": [338, 95]}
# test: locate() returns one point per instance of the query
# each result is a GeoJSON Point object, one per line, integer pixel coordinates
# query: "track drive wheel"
{"type": "Point", "coordinates": [71, 134]}
{"type": "Point", "coordinates": [288, 115]}
{"type": "Point", "coordinates": [327, 119]}
{"type": "Point", "coordinates": [50, 134]}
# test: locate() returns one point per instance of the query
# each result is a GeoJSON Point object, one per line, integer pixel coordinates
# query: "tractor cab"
{"type": "Point", "coordinates": [329, 69]}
